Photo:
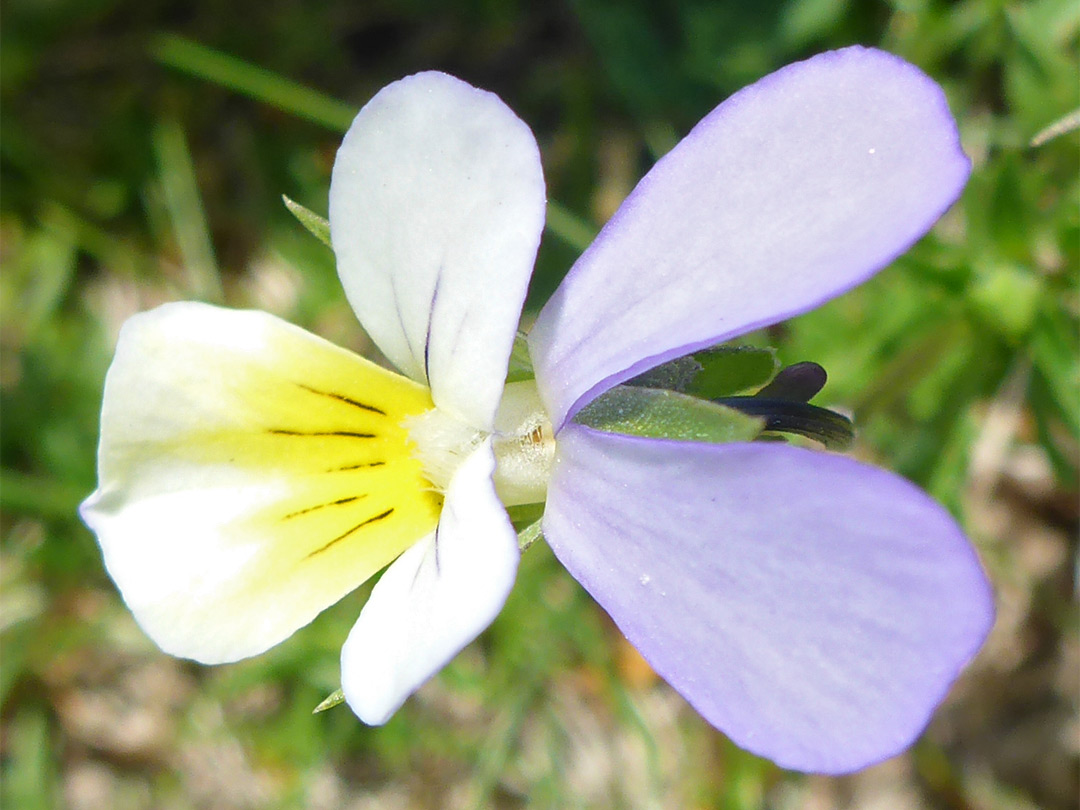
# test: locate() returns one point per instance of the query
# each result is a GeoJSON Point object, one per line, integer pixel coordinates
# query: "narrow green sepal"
{"type": "Point", "coordinates": [529, 535]}
{"type": "Point", "coordinates": [728, 370]}
{"type": "Point", "coordinates": [526, 519]}
{"type": "Point", "coordinates": [520, 367]}
{"type": "Point", "coordinates": [674, 375]}
{"type": "Point", "coordinates": [661, 414]}
{"type": "Point", "coordinates": [716, 372]}
{"type": "Point", "coordinates": [336, 698]}
{"type": "Point", "coordinates": [316, 225]}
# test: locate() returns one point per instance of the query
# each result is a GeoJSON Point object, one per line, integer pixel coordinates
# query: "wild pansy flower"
{"type": "Point", "coordinates": [813, 608]}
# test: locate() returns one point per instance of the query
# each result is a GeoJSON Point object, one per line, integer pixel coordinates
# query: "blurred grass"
{"type": "Point", "coordinates": [144, 150]}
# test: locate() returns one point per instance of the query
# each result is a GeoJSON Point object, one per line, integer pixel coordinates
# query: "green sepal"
{"type": "Point", "coordinates": [727, 370]}
{"type": "Point", "coordinates": [526, 519]}
{"type": "Point", "coordinates": [660, 414]}
{"type": "Point", "coordinates": [316, 225]}
{"type": "Point", "coordinates": [720, 371]}
{"type": "Point", "coordinates": [529, 535]}
{"type": "Point", "coordinates": [674, 375]}
{"type": "Point", "coordinates": [336, 698]}
{"type": "Point", "coordinates": [520, 367]}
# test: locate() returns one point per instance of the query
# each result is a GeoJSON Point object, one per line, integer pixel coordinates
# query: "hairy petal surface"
{"type": "Point", "coordinates": [812, 608]}
{"type": "Point", "coordinates": [436, 210]}
{"type": "Point", "coordinates": [434, 599]}
{"type": "Point", "coordinates": [250, 475]}
{"type": "Point", "coordinates": [789, 193]}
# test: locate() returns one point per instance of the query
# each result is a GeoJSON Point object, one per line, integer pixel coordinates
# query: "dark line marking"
{"type": "Point", "coordinates": [346, 433]}
{"type": "Point", "coordinates": [431, 319]}
{"type": "Point", "coordinates": [358, 466]}
{"type": "Point", "coordinates": [345, 399]}
{"type": "Point", "coordinates": [338, 502]}
{"type": "Point", "coordinates": [401, 319]}
{"type": "Point", "coordinates": [438, 565]}
{"type": "Point", "coordinates": [357, 527]}
{"type": "Point", "coordinates": [420, 568]}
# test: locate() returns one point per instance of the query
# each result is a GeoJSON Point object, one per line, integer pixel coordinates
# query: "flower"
{"type": "Point", "coordinates": [811, 607]}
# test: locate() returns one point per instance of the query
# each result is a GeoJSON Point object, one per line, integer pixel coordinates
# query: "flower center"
{"type": "Point", "coordinates": [524, 445]}
{"type": "Point", "coordinates": [523, 440]}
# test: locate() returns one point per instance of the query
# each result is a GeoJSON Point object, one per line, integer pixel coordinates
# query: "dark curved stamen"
{"type": "Point", "coordinates": [784, 416]}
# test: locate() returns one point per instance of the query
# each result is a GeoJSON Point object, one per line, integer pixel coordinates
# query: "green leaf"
{"type": "Point", "coordinates": [661, 414]}
{"type": "Point", "coordinates": [1054, 434]}
{"type": "Point", "coordinates": [40, 496]}
{"type": "Point", "coordinates": [520, 363]}
{"type": "Point", "coordinates": [335, 698]}
{"type": "Point", "coordinates": [1062, 126]}
{"type": "Point", "coordinates": [1007, 298]}
{"type": "Point", "coordinates": [28, 771]}
{"type": "Point", "coordinates": [727, 370]}
{"type": "Point", "coordinates": [316, 225]}
{"type": "Point", "coordinates": [1055, 358]}
{"type": "Point", "coordinates": [252, 81]}
{"type": "Point", "coordinates": [568, 226]}
{"type": "Point", "coordinates": [183, 202]}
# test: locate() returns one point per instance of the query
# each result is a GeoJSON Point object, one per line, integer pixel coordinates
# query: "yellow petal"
{"type": "Point", "coordinates": [250, 475]}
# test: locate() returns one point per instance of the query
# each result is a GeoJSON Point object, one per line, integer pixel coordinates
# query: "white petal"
{"type": "Point", "coordinates": [436, 210]}
{"type": "Point", "coordinates": [436, 598]}
{"type": "Point", "coordinates": [250, 474]}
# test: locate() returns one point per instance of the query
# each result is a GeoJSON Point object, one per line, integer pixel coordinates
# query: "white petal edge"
{"type": "Point", "coordinates": [436, 210]}
{"type": "Point", "coordinates": [434, 599]}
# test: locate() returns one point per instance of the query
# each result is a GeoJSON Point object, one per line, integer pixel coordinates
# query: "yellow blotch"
{"type": "Point", "coordinates": [324, 427]}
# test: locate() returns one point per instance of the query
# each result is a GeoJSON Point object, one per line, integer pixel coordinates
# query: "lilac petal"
{"type": "Point", "coordinates": [791, 192]}
{"type": "Point", "coordinates": [812, 608]}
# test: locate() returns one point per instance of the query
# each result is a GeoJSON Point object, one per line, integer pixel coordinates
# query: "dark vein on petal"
{"type": "Point", "coordinates": [346, 433]}
{"type": "Point", "coordinates": [345, 399]}
{"type": "Point", "coordinates": [420, 568]}
{"type": "Point", "coordinates": [401, 318]}
{"type": "Point", "coordinates": [338, 502]}
{"type": "Point", "coordinates": [357, 527]}
{"type": "Point", "coordinates": [358, 466]}
{"type": "Point", "coordinates": [448, 513]}
{"type": "Point", "coordinates": [430, 320]}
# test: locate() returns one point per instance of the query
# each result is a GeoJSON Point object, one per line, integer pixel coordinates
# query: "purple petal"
{"type": "Point", "coordinates": [791, 192]}
{"type": "Point", "coordinates": [812, 608]}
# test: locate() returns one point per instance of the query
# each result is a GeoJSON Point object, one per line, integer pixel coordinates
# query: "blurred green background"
{"type": "Point", "coordinates": [144, 148]}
